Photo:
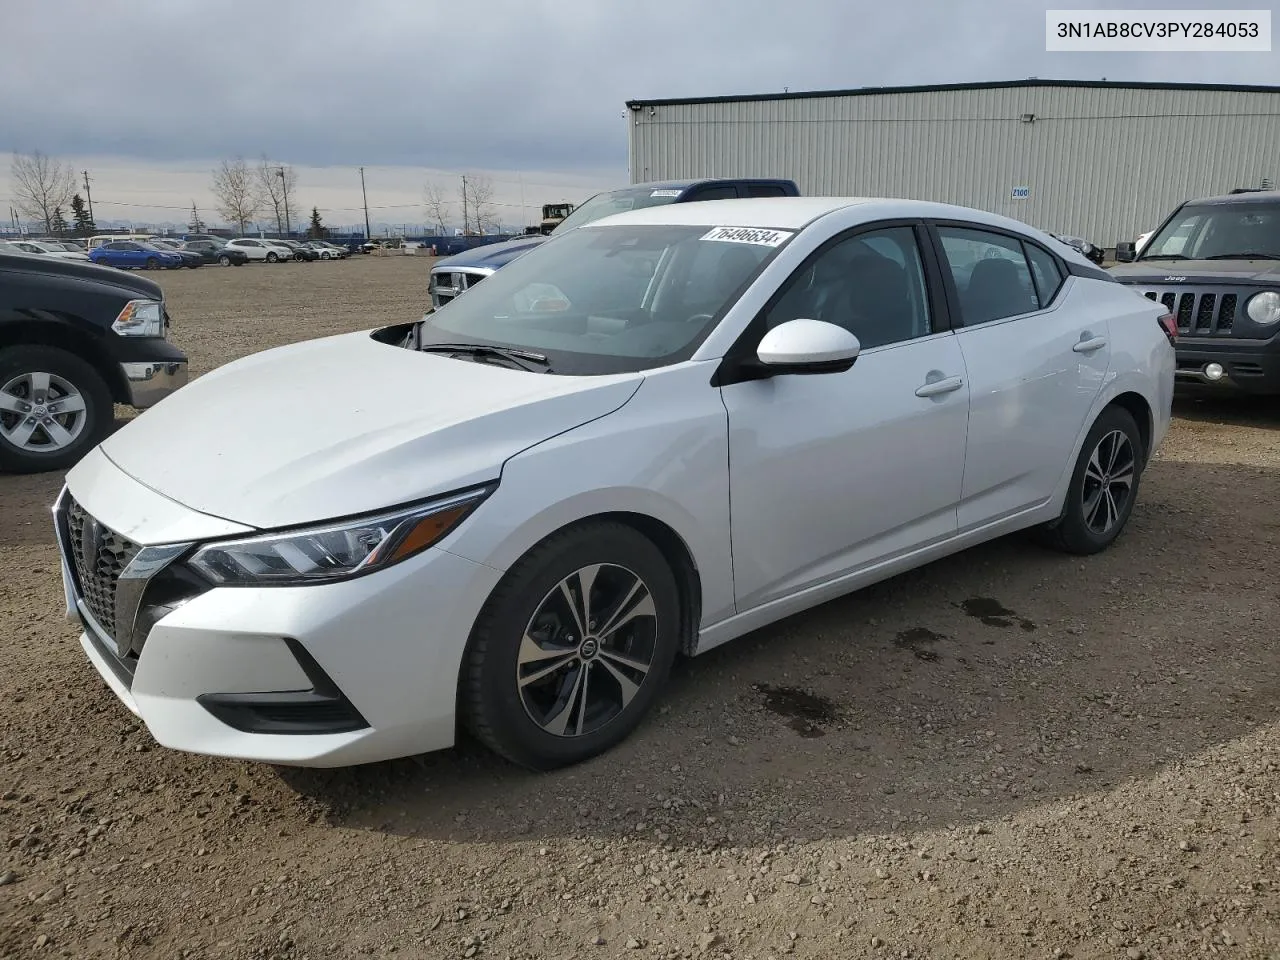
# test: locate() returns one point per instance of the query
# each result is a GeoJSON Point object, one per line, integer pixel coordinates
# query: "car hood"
{"type": "Point", "coordinates": [89, 270]}
{"type": "Point", "coordinates": [1198, 271]}
{"type": "Point", "coordinates": [490, 255]}
{"type": "Point", "coordinates": [347, 425]}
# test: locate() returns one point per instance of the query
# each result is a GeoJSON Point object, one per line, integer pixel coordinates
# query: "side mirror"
{"type": "Point", "coordinates": [808, 346]}
{"type": "Point", "coordinates": [1125, 251]}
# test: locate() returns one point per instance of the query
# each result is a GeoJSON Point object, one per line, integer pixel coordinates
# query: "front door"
{"type": "Point", "coordinates": [1035, 364]}
{"type": "Point", "coordinates": [830, 473]}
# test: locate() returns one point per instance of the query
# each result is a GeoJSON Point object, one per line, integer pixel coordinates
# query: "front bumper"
{"type": "Point", "coordinates": [1249, 366]}
{"type": "Point", "coordinates": [150, 381]}
{"type": "Point", "coordinates": [321, 675]}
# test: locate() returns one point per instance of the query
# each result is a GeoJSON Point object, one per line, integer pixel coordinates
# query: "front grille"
{"type": "Point", "coordinates": [99, 555]}
{"type": "Point", "coordinates": [1199, 312]}
{"type": "Point", "coordinates": [449, 286]}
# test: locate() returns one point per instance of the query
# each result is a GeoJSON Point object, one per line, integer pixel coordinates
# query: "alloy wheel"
{"type": "Point", "coordinates": [587, 650]}
{"type": "Point", "coordinates": [41, 412]}
{"type": "Point", "coordinates": [1108, 481]}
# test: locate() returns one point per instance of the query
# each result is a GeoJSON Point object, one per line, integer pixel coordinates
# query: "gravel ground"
{"type": "Point", "coordinates": [1005, 754]}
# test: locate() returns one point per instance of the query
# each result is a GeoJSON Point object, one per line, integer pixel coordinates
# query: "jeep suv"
{"type": "Point", "coordinates": [1215, 264]}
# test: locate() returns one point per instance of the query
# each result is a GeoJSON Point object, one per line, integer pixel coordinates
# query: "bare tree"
{"type": "Point", "coordinates": [438, 212]}
{"type": "Point", "coordinates": [42, 186]}
{"type": "Point", "coordinates": [277, 185]}
{"type": "Point", "coordinates": [235, 192]}
{"type": "Point", "coordinates": [477, 203]}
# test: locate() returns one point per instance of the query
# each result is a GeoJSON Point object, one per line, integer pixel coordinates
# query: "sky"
{"type": "Point", "coordinates": [148, 95]}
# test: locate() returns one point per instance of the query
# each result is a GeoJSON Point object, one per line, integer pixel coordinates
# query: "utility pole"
{"type": "Point", "coordinates": [367, 232]}
{"type": "Point", "coordinates": [87, 195]}
{"type": "Point", "coordinates": [464, 204]}
{"type": "Point", "coordinates": [284, 185]}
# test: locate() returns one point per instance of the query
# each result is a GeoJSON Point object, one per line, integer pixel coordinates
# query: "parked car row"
{"type": "Point", "coordinates": [165, 253]}
{"type": "Point", "coordinates": [45, 248]}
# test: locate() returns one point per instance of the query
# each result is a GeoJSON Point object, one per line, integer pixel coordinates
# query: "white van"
{"type": "Point", "coordinates": [100, 239]}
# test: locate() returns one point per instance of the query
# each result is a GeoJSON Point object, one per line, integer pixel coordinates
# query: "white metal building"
{"type": "Point", "coordinates": [1102, 160]}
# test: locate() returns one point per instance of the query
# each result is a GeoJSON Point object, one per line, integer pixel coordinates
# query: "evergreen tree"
{"type": "Point", "coordinates": [82, 223]}
{"type": "Point", "coordinates": [196, 225]}
{"type": "Point", "coordinates": [317, 230]}
{"type": "Point", "coordinates": [57, 223]}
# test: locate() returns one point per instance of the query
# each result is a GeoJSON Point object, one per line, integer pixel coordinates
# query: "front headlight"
{"type": "Point", "coordinates": [334, 551]}
{"type": "Point", "coordinates": [1264, 308]}
{"type": "Point", "coordinates": [140, 318]}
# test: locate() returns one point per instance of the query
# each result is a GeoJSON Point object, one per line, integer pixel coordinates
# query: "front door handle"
{"type": "Point", "coordinates": [938, 387]}
{"type": "Point", "coordinates": [1090, 345]}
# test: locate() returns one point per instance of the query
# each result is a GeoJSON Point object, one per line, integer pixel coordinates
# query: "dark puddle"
{"type": "Point", "coordinates": [804, 710]}
{"type": "Point", "coordinates": [917, 640]}
{"type": "Point", "coordinates": [994, 614]}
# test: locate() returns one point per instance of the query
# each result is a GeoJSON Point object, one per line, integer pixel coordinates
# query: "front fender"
{"type": "Point", "coordinates": [662, 455]}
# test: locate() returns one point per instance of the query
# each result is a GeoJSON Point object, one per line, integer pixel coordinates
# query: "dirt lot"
{"type": "Point", "coordinates": [1006, 754]}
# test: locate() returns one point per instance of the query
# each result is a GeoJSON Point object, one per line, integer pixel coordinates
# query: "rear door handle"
{"type": "Point", "coordinates": [939, 387]}
{"type": "Point", "coordinates": [1090, 345]}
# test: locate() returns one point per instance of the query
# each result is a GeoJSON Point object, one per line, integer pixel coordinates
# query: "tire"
{"type": "Point", "coordinates": [1083, 526]}
{"type": "Point", "coordinates": [224, 261]}
{"type": "Point", "coordinates": [500, 711]}
{"type": "Point", "coordinates": [298, 258]}
{"type": "Point", "coordinates": [23, 368]}
{"type": "Point", "coordinates": [152, 263]}
{"type": "Point", "coordinates": [271, 257]}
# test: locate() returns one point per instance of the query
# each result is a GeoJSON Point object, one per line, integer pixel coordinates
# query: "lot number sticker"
{"type": "Point", "coordinates": [763, 238]}
{"type": "Point", "coordinates": [1021, 193]}
{"type": "Point", "coordinates": [665, 193]}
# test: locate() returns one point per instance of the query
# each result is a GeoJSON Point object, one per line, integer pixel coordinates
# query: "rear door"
{"type": "Point", "coordinates": [1035, 367]}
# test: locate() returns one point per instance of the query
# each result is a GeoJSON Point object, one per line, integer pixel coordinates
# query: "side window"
{"type": "Point", "coordinates": [872, 284]}
{"type": "Point", "coordinates": [1045, 271]}
{"type": "Point", "coordinates": [765, 190]}
{"type": "Point", "coordinates": [722, 192]}
{"type": "Point", "coordinates": [991, 274]}
{"type": "Point", "coordinates": [250, 243]}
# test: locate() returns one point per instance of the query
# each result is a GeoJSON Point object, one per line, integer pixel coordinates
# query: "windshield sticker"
{"type": "Point", "coordinates": [764, 238]}
{"type": "Point", "coordinates": [665, 193]}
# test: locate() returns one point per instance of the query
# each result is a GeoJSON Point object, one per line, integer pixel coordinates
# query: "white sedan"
{"type": "Point", "coordinates": [642, 439]}
{"type": "Point", "coordinates": [258, 249]}
{"type": "Point", "coordinates": [46, 248]}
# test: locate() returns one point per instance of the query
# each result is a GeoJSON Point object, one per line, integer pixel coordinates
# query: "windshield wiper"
{"type": "Point", "coordinates": [1166, 256]}
{"type": "Point", "coordinates": [510, 354]}
{"type": "Point", "coordinates": [1243, 256]}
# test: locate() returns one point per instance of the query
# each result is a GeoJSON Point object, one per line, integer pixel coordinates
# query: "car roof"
{"type": "Point", "coordinates": [794, 213]}
{"type": "Point", "coordinates": [1251, 196]}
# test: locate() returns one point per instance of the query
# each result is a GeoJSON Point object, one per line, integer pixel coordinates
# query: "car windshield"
{"type": "Point", "coordinates": [1220, 230]}
{"type": "Point", "coordinates": [610, 299]}
{"type": "Point", "coordinates": [616, 201]}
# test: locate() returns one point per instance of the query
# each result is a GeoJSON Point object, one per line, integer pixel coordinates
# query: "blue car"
{"type": "Point", "coordinates": [135, 255]}
{"type": "Point", "coordinates": [452, 275]}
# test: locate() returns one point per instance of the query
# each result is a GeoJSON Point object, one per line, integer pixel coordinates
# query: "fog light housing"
{"type": "Point", "coordinates": [1214, 371]}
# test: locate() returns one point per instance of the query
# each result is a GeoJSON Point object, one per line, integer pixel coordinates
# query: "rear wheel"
{"type": "Point", "coordinates": [1103, 486]}
{"type": "Point", "coordinates": [153, 263]}
{"type": "Point", "coordinates": [53, 408]}
{"type": "Point", "coordinates": [572, 648]}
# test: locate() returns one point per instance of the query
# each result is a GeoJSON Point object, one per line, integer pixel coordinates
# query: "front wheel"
{"type": "Point", "coordinates": [152, 263]}
{"type": "Point", "coordinates": [53, 408]}
{"type": "Point", "coordinates": [1103, 486]}
{"type": "Point", "coordinates": [572, 648]}
{"type": "Point", "coordinates": [272, 258]}
{"type": "Point", "coordinates": [224, 261]}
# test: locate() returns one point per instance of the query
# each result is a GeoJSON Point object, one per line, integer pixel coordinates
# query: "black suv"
{"type": "Point", "coordinates": [75, 338]}
{"type": "Point", "coordinates": [1215, 264]}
